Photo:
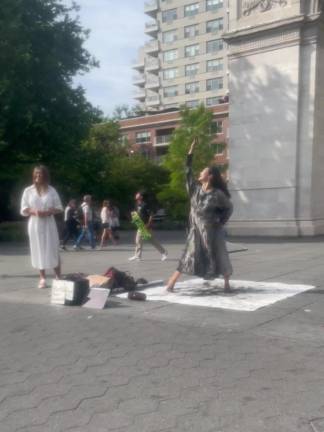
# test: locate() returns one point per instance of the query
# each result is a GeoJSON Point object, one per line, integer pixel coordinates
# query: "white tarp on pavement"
{"type": "Point", "coordinates": [246, 295]}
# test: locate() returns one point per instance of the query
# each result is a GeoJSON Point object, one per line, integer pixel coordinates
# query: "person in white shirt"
{"type": "Point", "coordinates": [109, 216]}
{"type": "Point", "coordinates": [40, 203]}
{"type": "Point", "coordinates": [87, 223]}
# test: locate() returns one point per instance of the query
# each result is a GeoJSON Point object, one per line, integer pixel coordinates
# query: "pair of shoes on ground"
{"type": "Point", "coordinates": [164, 256]}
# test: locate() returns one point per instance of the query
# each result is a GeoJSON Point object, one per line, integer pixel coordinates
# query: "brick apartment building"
{"type": "Point", "coordinates": [150, 134]}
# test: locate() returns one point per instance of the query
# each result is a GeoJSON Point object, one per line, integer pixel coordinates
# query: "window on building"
{"type": "Point", "coordinates": [143, 137]}
{"type": "Point", "coordinates": [124, 139]}
{"type": "Point", "coordinates": [169, 36]}
{"type": "Point", "coordinates": [212, 5]}
{"type": "Point", "coordinates": [215, 65]}
{"type": "Point", "coordinates": [170, 55]}
{"type": "Point", "coordinates": [191, 9]}
{"type": "Point", "coordinates": [214, 45]}
{"type": "Point", "coordinates": [192, 50]}
{"type": "Point", "coordinates": [191, 31]}
{"type": "Point", "coordinates": [218, 126]}
{"type": "Point", "coordinates": [170, 73]}
{"type": "Point", "coordinates": [191, 69]}
{"type": "Point", "coordinates": [214, 25]}
{"type": "Point", "coordinates": [192, 87]}
{"type": "Point", "coordinates": [212, 101]}
{"type": "Point", "coordinates": [169, 15]}
{"type": "Point", "coordinates": [214, 84]}
{"type": "Point", "coordinates": [170, 91]}
{"type": "Point", "coordinates": [219, 149]}
{"type": "Point", "coordinates": [192, 103]}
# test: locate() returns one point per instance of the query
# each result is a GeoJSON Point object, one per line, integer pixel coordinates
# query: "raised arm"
{"type": "Point", "coordinates": [190, 181]}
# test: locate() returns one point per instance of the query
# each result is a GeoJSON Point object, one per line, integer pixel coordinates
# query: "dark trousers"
{"type": "Point", "coordinates": [70, 231]}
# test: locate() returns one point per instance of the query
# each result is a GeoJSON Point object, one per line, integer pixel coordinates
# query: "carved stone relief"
{"type": "Point", "coordinates": [250, 6]}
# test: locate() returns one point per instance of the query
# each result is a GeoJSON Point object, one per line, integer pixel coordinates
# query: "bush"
{"type": "Point", "coordinates": [13, 231]}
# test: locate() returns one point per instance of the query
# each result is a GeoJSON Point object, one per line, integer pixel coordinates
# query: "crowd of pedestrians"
{"type": "Point", "coordinates": [86, 222]}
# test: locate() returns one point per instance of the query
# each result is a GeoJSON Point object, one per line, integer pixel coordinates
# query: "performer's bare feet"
{"type": "Point", "coordinates": [172, 281]}
{"type": "Point", "coordinates": [227, 287]}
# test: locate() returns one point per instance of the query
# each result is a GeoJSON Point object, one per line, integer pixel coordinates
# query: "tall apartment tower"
{"type": "Point", "coordinates": [185, 61]}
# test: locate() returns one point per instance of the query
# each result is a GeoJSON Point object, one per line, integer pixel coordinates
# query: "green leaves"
{"type": "Point", "coordinates": [195, 124]}
{"type": "Point", "coordinates": [43, 117]}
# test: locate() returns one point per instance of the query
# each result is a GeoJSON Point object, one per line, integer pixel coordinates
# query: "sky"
{"type": "Point", "coordinates": [116, 32]}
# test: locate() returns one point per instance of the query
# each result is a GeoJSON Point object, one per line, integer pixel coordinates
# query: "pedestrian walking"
{"type": "Point", "coordinates": [106, 216]}
{"type": "Point", "coordinates": [70, 223]}
{"type": "Point", "coordinates": [205, 253]}
{"type": "Point", "coordinates": [113, 220]}
{"type": "Point", "coordinates": [87, 216]}
{"type": "Point", "coordinates": [146, 216]}
{"type": "Point", "coordinates": [40, 203]}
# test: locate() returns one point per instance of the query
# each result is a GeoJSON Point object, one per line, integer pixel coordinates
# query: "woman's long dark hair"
{"type": "Point", "coordinates": [217, 180]}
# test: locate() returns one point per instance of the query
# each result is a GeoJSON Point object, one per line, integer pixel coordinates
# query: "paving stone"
{"type": "Point", "coordinates": [158, 367]}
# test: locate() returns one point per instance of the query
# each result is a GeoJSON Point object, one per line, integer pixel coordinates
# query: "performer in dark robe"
{"type": "Point", "coordinates": [205, 253]}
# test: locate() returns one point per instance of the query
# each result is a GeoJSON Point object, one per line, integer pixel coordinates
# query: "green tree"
{"type": "Point", "coordinates": [124, 111]}
{"type": "Point", "coordinates": [43, 116]}
{"type": "Point", "coordinates": [195, 124]}
{"type": "Point", "coordinates": [106, 168]}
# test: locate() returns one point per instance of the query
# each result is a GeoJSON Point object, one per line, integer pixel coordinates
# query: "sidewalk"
{"type": "Point", "coordinates": [157, 366]}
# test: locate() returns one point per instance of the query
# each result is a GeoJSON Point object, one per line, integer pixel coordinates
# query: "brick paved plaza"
{"type": "Point", "coordinates": [156, 366]}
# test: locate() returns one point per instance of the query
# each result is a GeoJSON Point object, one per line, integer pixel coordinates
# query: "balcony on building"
{"type": "Point", "coordinates": [139, 79]}
{"type": "Point", "coordinates": [151, 8]}
{"type": "Point", "coordinates": [152, 65]}
{"type": "Point", "coordinates": [152, 28]}
{"type": "Point", "coordinates": [152, 84]}
{"type": "Point", "coordinates": [139, 64]}
{"type": "Point", "coordinates": [153, 101]}
{"type": "Point", "coordinates": [152, 47]}
{"type": "Point", "coordinates": [163, 138]}
{"type": "Point", "coordinates": [140, 95]}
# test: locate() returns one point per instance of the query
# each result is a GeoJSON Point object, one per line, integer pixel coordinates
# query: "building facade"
{"type": "Point", "coordinates": [150, 135]}
{"type": "Point", "coordinates": [276, 62]}
{"type": "Point", "coordinates": [185, 60]}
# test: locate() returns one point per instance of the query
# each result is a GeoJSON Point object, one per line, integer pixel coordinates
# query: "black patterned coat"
{"type": "Point", "coordinates": [205, 253]}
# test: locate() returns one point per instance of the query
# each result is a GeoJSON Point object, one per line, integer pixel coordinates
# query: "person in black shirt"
{"type": "Point", "coordinates": [146, 215]}
{"type": "Point", "coordinates": [70, 222]}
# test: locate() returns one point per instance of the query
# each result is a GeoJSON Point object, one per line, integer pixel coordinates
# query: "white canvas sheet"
{"type": "Point", "coordinates": [246, 295]}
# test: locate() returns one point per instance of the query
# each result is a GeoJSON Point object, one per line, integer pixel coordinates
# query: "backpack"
{"type": "Point", "coordinates": [120, 279]}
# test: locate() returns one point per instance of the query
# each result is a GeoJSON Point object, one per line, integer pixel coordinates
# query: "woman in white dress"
{"type": "Point", "coordinates": [40, 202]}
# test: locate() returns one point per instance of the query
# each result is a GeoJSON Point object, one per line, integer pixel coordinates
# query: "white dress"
{"type": "Point", "coordinates": [42, 231]}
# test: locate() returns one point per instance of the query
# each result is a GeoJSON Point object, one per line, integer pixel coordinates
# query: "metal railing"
{"type": "Point", "coordinates": [152, 46]}
{"type": "Point", "coordinates": [151, 26]}
{"type": "Point", "coordinates": [152, 64]}
{"type": "Point", "coordinates": [162, 140]}
{"type": "Point", "coordinates": [152, 4]}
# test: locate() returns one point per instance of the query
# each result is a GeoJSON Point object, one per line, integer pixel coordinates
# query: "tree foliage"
{"type": "Point", "coordinates": [125, 111]}
{"type": "Point", "coordinates": [115, 172]}
{"type": "Point", "coordinates": [195, 123]}
{"type": "Point", "coordinates": [43, 117]}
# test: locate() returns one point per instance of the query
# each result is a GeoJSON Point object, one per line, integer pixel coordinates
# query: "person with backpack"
{"type": "Point", "coordinates": [87, 219]}
{"type": "Point", "coordinates": [70, 223]}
